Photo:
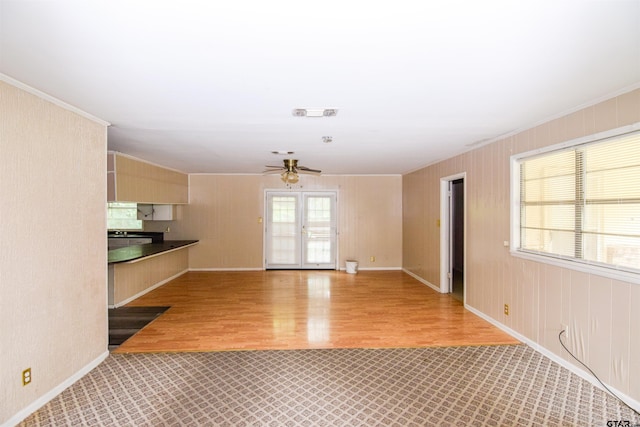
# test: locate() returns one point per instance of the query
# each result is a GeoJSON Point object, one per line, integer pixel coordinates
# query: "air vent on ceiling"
{"type": "Point", "coordinates": [318, 112]}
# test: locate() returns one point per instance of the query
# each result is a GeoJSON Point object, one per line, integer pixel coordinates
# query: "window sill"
{"type": "Point", "coordinates": [624, 276]}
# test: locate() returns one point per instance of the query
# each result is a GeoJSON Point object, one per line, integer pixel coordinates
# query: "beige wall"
{"type": "Point", "coordinates": [602, 313]}
{"type": "Point", "coordinates": [224, 209]}
{"type": "Point", "coordinates": [53, 315]}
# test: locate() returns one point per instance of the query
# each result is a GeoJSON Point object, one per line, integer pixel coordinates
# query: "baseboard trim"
{"type": "Point", "coordinates": [44, 399]}
{"type": "Point", "coordinates": [328, 269]}
{"type": "Point", "coordinates": [226, 269]}
{"type": "Point", "coordinates": [149, 289]}
{"type": "Point", "coordinates": [421, 280]}
{"type": "Point", "coordinates": [559, 360]}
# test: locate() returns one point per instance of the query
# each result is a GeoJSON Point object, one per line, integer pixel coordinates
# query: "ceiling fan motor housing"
{"type": "Point", "coordinates": [291, 165]}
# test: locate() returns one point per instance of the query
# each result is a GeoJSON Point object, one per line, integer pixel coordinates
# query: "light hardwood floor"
{"type": "Point", "coordinates": [213, 311]}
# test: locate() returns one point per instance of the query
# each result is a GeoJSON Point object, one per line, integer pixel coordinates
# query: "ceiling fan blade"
{"type": "Point", "coordinates": [268, 171]}
{"type": "Point", "coordinates": [306, 169]}
{"type": "Point", "coordinates": [275, 167]}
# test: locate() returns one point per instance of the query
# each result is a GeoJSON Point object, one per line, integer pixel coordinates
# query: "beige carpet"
{"type": "Point", "coordinates": [481, 386]}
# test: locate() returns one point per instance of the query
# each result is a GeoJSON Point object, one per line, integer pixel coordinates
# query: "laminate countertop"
{"type": "Point", "coordinates": [137, 252]}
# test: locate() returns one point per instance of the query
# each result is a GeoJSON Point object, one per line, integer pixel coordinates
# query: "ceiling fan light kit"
{"type": "Point", "coordinates": [289, 177]}
{"type": "Point", "coordinates": [290, 171]}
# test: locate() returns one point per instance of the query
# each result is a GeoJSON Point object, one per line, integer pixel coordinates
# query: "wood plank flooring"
{"type": "Point", "coordinates": [259, 310]}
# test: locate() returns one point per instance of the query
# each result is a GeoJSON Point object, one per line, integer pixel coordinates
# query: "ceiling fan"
{"type": "Point", "coordinates": [289, 171]}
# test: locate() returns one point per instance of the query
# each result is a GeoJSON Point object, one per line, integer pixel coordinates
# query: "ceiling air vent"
{"type": "Point", "coordinates": [318, 112]}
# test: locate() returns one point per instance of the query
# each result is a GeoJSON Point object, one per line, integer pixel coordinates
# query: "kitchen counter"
{"type": "Point", "coordinates": [137, 252]}
{"type": "Point", "coordinates": [156, 237]}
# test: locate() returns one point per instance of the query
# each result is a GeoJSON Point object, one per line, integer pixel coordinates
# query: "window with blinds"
{"type": "Point", "coordinates": [582, 203]}
{"type": "Point", "coordinates": [123, 216]}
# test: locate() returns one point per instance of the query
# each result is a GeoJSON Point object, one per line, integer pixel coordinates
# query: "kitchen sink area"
{"type": "Point", "coordinates": [123, 239]}
{"type": "Point", "coordinates": [141, 261]}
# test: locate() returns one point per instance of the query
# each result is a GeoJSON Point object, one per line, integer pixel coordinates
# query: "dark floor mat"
{"type": "Point", "coordinates": [124, 322]}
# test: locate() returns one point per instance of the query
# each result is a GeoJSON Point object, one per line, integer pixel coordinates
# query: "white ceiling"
{"type": "Point", "coordinates": [203, 86]}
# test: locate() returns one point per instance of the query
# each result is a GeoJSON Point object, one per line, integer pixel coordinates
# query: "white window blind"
{"type": "Point", "coordinates": [583, 203]}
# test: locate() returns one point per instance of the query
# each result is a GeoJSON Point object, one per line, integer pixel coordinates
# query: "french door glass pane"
{"type": "Point", "coordinates": [284, 237]}
{"type": "Point", "coordinates": [318, 230]}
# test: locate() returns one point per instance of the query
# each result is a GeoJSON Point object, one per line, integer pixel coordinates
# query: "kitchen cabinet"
{"type": "Point", "coordinates": [156, 212]}
{"type": "Point", "coordinates": [134, 180]}
{"type": "Point", "coordinates": [164, 212]}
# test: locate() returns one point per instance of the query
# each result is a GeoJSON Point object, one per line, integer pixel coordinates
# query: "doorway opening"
{"type": "Point", "coordinates": [452, 236]}
{"type": "Point", "coordinates": [300, 230]}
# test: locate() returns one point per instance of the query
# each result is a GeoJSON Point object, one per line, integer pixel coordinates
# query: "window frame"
{"type": "Point", "coordinates": [565, 262]}
{"type": "Point", "coordinates": [141, 226]}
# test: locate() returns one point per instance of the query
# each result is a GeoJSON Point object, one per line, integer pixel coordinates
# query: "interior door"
{"type": "Point", "coordinates": [451, 231]}
{"type": "Point", "coordinates": [456, 242]}
{"type": "Point", "coordinates": [301, 230]}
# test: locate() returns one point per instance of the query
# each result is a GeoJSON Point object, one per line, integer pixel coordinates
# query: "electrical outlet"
{"type": "Point", "coordinates": [506, 309]}
{"type": "Point", "coordinates": [372, 259]}
{"type": "Point", "coordinates": [565, 328]}
{"type": "Point", "coordinates": [26, 376]}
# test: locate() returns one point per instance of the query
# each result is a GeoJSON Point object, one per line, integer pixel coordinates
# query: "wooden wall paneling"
{"type": "Point", "coordinates": [532, 289]}
{"type": "Point", "coordinates": [551, 290]}
{"type": "Point", "coordinates": [52, 261]}
{"type": "Point", "coordinates": [627, 108]}
{"type": "Point", "coordinates": [224, 210]}
{"type": "Point", "coordinates": [600, 323]}
{"type": "Point", "coordinates": [621, 361]}
{"type": "Point", "coordinates": [566, 307]}
{"type": "Point", "coordinates": [579, 339]}
{"type": "Point", "coordinates": [223, 214]}
{"type": "Point", "coordinates": [634, 340]}
{"type": "Point", "coordinates": [135, 278]}
{"type": "Point", "coordinates": [606, 115]}
{"type": "Point", "coordinates": [379, 223]}
{"type": "Point", "coordinates": [412, 219]}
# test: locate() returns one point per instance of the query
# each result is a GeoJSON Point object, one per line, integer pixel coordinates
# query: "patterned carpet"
{"type": "Point", "coordinates": [481, 386]}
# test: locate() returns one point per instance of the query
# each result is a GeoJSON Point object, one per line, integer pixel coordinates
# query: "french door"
{"type": "Point", "coordinates": [300, 230]}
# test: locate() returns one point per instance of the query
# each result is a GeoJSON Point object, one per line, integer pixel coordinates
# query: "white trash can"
{"type": "Point", "coordinates": [352, 266]}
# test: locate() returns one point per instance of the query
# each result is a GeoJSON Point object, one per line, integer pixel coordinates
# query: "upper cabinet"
{"type": "Point", "coordinates": [156, 212]}
{"type": "Point", "coordinates": [132, 180]}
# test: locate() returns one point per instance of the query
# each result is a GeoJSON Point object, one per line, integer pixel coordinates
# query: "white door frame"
{"type": "Point", "coordinates": [445, 231]}
{"type": "Point", "coordinates": [300, 193]}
